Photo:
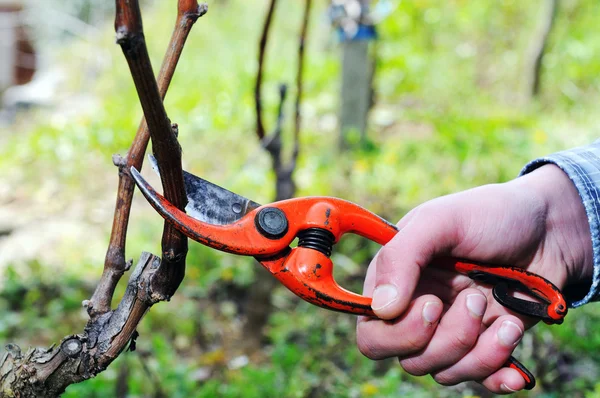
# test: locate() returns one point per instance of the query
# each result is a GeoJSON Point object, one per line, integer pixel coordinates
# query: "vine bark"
{"type": "Point", "coordinates": [48, 372]}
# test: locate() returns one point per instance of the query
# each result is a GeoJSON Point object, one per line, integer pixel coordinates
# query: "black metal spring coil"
{"type": "Point", "coordinates": [318, 239]}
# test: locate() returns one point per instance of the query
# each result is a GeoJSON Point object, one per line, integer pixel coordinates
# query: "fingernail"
{"type": "Point", "coordinates": [506, 388]}
{"type": "Point", "coordinates": [509, 333]}
{"type": "Point", "coordinates": [383, 296]}
{"type": "Point", "coordinates": [476, 304]}
{"type": "Point", "coordinates": [432, 311]}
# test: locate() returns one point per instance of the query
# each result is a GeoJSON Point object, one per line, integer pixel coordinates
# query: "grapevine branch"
{"type": "Point", "coordinates": [130, 36]}
{"type": "Point", "coordinates": [115, 265]}
{"type": "Point", "coordinates": [47, 372]}
{"type": "Point", "coordinates": [285, 187]}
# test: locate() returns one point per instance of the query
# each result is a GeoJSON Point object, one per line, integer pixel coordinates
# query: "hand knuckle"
{"type": "Point", "coordinates": [415, 342]}
{"type": "Point", "coordinates": [484, 368]}
{"type": "Point", "coordinates": [463, 341]}
{"type": "Point", "coordinates": [414, 367]}
{"type": "Point", "coordinates": [367, 347]}
{"type": "Point", "coordinates": [387, 254]}
{"type": "Point", "coordinates": [445, 379]}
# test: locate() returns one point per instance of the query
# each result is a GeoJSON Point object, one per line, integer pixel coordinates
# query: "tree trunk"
{"type": "Point", "coordinates": [259, 302]}
{"type": "Point", "coordinates": [357, 72]}
{"type": "Point", "coordinates": [538, 46]}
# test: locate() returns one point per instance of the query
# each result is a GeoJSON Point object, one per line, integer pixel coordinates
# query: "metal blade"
{"type": "Point", "coordinates": [210, 203]}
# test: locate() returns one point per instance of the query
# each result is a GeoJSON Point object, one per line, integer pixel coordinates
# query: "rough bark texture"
{"type": "Point", "coordinates": [115, 265]}
{"type": "Point", "coordinates": [130, 36]}
{"type": "Point", "coordinates": [47, 372]}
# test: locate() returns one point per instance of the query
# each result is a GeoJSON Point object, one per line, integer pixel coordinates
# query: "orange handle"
{"type": "Point", "coordinates": [523, 371]}
{"type": "Point", "coordinates": [309, 275]}
{"type": "Point", "coordinates": [307, 270]}
{"type": "Point", "coordinates": [554, 307]}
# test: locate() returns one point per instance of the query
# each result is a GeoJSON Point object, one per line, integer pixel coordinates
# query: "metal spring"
{"type": "Point", "coordinates": [317, 239]}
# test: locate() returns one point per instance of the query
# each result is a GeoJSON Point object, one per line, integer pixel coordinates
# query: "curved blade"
{"type": "Point", "coordinates": [210, 203]}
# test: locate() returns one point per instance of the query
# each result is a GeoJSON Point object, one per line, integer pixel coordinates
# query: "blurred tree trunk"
{"type": "Point", "coordinates": [259, 309]}
{"type": "Point", "coordinates": [17, 55]}
{"type": "Point", "coordinates": [259, 304]}
{"type": "Point", "coordinates": [357, 72]}
{"type": "Point", "coordinates": [122, 384]}
{"type": "Point", "coordinates": [538, 46]}
{"type": "Point", "coordinates": [352, 19]}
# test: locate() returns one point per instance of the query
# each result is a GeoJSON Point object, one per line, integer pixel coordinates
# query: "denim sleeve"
{"type": "Point", "coordinates": [582, 165]}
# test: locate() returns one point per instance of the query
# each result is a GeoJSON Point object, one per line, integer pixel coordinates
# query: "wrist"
{"type": "Point", "coordinates": [567, 227]}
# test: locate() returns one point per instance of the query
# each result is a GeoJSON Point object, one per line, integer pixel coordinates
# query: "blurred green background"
{"type": "Point", "coordinates": [451, 112]}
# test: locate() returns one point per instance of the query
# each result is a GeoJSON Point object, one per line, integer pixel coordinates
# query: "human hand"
{"type": "Point", "coordinates": [443, 323]}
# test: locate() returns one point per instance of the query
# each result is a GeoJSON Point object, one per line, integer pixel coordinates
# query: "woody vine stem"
{"type": "Point", "coordinates": [48, 372]}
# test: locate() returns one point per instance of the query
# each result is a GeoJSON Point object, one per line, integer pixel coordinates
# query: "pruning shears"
{"type": "Point", "coordinates": [225, 221]}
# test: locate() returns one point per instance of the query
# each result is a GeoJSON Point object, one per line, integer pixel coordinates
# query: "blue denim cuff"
{"type": "Point", "coordinates": [582, 165]}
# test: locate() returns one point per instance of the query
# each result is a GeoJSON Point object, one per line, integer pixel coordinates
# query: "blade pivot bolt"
{"type": "Point", "coordinates": [271, 223]}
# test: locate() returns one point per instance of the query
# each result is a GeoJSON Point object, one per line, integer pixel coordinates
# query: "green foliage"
{"type": "Point", "coordinates": [38, 301]}
{"type": "Point", "coordinates": [449, 116]}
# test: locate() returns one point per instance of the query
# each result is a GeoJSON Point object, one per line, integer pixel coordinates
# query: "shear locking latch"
{"type": "Point", "coordinates": [523, 307]}
{"type": "Point", "coordinates": [549, 308]}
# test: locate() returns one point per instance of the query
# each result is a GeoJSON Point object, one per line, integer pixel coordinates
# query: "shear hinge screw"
{"type": "Point", "coordinates": [271, 223]}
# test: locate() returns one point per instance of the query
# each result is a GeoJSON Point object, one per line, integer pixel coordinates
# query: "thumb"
{"type": "Point", "coordinates": [431, 230]}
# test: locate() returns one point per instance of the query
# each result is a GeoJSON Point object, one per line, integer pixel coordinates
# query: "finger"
{"type": "Point", "coordinates": [395, 282]}
{"type": "Point", "coordinates": [369, 283]}
{"type": "Point", "coordinates": [447, 284]}
{"type": "Point", "coordinates": [504, 381]}
{"type": "Point", "coordinates": [408, 334]}
{"type": "Point", "coordinates": [399, 263]}
{"type": "Point", "coordinates": [443, 283]}
{"type": "Point", "coordinates": [408, 217]}
{"type": "Point", "coordinates": [493, 348]}
{"type": "Point", "coordinates": [454, 337]}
